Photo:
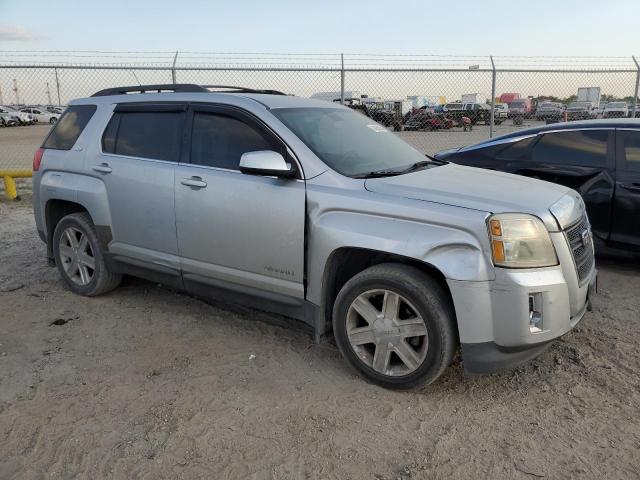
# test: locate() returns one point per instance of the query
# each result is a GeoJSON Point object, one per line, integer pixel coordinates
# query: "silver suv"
{"type": "Point", "coordinates": [312, 210]}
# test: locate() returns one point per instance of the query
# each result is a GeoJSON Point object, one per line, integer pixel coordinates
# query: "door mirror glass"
{"type": "Point", "coordinates": [266, 162]}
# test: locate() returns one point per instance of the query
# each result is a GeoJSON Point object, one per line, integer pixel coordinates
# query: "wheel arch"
{"type": "Point", "coordinates": [345, 262]}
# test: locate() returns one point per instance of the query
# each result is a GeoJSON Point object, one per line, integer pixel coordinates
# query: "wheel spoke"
{"type": "Point", "coordinates": [71, 237]}
{"type": "Point", "coordinates": [82, 244]}
{"type": "Point", "coordinates": [381, 358]}
{"type": "Point", "coordinates": [363, 306]}
{"type": "Point", "coordinates": [408, 355]}
{"type": "Point", "coordinates": [413, 327]}
{"type": "Point", "coordinates": [84, 274]}
{"type": "Point", "coordinates": [391, 304]}
{"type": "Point", "coordinates": [361, 336]}
{"type": "Point", "coordinates": [87, 260]}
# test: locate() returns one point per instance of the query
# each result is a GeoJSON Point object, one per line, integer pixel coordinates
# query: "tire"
{"type": "Point", "coordinates": [421, 298]}
{"type": "Point", "coordinates": [97, 280]}
{"type": "Point", "coordinates": [53, 120]}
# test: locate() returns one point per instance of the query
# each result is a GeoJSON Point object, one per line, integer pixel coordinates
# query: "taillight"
{"type": "Point", "coordinates": [37, 159]}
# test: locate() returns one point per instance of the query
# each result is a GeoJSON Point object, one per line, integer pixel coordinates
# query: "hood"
{"type": "Point", "coordinates": [475, 188]}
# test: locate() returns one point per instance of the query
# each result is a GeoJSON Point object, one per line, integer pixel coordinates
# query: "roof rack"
{"type": "Point", "coordinates": [179, 88]}
{"type": "Point", "coordinates": [169, 87]}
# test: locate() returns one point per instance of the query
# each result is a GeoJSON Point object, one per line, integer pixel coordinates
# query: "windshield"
{"type": "Point", "coordinates": [616, 105]}
{"type": "Point", "coordinates": [517, 105]}
{"type": "Point", "coordinates": [453, 106]}
{"type": "Point", "coordinates": [347, 141]}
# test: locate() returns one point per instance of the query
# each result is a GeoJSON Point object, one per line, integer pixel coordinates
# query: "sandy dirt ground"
{"type": "Point", "coordinates": [149, 383]}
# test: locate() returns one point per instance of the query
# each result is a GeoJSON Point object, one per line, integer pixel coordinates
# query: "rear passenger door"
{"type": "Point", "coordinates": [580, 159]}
{"type": "Point", "coordinates": [140, 149]}
{"type": "Point", "coordinates": [626, 212]}
{"type": "Point", "coordinates": [237, 231]}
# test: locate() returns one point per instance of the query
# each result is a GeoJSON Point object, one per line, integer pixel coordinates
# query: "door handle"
{"type": "Point", "coordinates": [102, 168]}
{"type": "Point", "coordinates": [194, 182]}
{"type": "Point", "coordinates": [633, 187]}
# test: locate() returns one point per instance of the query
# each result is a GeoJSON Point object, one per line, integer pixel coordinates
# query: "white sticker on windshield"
{"type": "Point", "coordinates": [378, 128]}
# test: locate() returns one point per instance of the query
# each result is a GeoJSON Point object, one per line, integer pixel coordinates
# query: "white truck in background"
{"type": "Point", "coordinates": [586, 106]}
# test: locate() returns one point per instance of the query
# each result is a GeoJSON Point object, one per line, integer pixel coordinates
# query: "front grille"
{"type": "Point", "coordinates": [581, 245]}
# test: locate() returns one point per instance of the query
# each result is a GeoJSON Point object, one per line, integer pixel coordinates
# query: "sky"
{"type": "Point", "coordinates": [463, 27]}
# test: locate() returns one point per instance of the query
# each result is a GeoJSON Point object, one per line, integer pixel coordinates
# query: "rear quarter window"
{"type": "Point", "coordinates": [67, 130]}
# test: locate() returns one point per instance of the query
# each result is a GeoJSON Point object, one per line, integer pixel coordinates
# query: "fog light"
{"type": "Point", "coordinates": [535, 313]}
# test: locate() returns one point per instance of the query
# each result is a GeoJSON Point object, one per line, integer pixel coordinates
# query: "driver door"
{"type": "Point", "coordinates": [237, 231]}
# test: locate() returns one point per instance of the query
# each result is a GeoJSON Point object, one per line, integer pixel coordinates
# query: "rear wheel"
{"type": "Point", "coordinates": [53, 120]}
{"type": "Point", "coordinates": [78, 257]}
{"type": "Point", "coordinates": [395, 325]}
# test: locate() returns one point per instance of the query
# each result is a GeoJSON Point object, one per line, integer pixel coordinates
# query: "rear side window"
{"type": "Point", "coordinates": [66, 132]}
{"type": "Point", "coordinates": [577, 147]}
{"type": "Point", "coordinates": [631, 148]}
{"type": "Point", "coordinates": [220, 140]}
{"type": "Point", "coordinates": [154, 135]}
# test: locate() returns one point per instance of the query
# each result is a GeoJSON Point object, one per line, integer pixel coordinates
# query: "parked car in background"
{"type": "Point", "coordinates": [598, 158]}
{"type": "Point", "coordinates": [425, 120]}
{"type": "Point", "coordinates": [637, 112]}
{"type": "Point", "coordinates": [41, 115]}
{"type": "Point", "coordinates": [501, 111]}
{"type": "Point", "coordinates": [581, 111]}
{"type": "Point", "coordinates": [23, 118]}
{"type": "Point", "coordinates": [521, 108]}
{"type": "Point", "coordinates": [616, 110]}
{"type": "Point", "coordinates": [550, 111]}
{"type": "Point", "coordinates": [476, 112]}
{"type": "Point", "coordinates": [8, 120]}
{"type": "Point", "coordinates": [311, 210]}
{"type": "Point", "coordinates": [55, 110]}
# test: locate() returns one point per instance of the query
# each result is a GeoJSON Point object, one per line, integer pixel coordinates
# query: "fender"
{"type": "Point", "coordinates": [456, 252]}
{"type": "Point", "coordinates": [81, 189]}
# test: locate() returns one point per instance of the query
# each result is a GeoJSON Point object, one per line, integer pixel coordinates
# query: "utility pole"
{"type": "Point", "coordinates": [15, 91]}
{"type": "Point", "coordinates": [1, 97]}
{"type": "Point", "coordinates": [493, 97]}
{"type": "Point", "coordinates": [48, 95]}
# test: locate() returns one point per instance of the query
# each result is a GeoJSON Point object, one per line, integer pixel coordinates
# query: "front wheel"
{"type": "Point", "coordinates": [53, 120]}
{"type": "Point", "coordinates": [79, 259]}
{"type": "Point", "coordinates": [395, 325]}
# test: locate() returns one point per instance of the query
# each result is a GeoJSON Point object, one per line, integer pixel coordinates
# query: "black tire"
{"type": "Point", "coordinates": [53, 120]}
{"type": "Point", "coordinates": [102, 280]}
{"type": "Point", "coordinates": [429, 299]}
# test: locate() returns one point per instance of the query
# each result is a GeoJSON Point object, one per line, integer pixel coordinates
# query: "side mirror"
{"type": "Point", "coordinates": [267, 163]}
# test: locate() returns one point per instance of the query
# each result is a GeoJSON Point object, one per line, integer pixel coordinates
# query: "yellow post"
{"type": "Point", "coordinates": [10, 187]}
{"type": "Point", "coordinates": [10, 184]}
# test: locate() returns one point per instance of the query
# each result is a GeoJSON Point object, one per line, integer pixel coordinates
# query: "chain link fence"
{"type": "Point", "coordinates": [434, 102]}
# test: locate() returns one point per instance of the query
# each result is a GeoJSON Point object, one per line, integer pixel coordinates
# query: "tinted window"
{"type": "Point", "coordinates": [69, 127]}
{"type": "Point", "coordinates": [579, 147]}
{"type": "Point", "coordinates": [153, 135]}
{"type": "Point", "coordinates": [515, 150]}
{"type": "Point", "coordinates": [631, 148]}
{"type": "Point", "coordinates": [220, 140]}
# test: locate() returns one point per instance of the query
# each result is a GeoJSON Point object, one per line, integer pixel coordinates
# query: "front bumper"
{"type": "Point", "coordinates": [494, 316]}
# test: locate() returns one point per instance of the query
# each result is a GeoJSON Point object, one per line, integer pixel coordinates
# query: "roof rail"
{"type": "Point", "coordinates": [169, 87]}
{"type": "Point", "coordinates": [243, 89]}
{"type": "Point", "coordinates": [179, 88]}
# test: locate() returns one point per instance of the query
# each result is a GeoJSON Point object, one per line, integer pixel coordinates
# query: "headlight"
{"type": "Point", "coordinates": [519, 240]}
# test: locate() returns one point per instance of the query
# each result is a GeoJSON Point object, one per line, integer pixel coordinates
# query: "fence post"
{"type": "Point", "coordinates": [173, 68]}
{"type": "Point", "coordinates": [57, 85]}
{"type": "Point", "coordinates": [635, 92]}
{"type": "Point", "coordinates": [342, 79]}
{"type": "Point", "coordinates": [493, 97]}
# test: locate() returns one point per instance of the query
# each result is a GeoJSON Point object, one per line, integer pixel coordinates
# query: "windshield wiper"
{"type": "Point", "coordinates": [411, 168]}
